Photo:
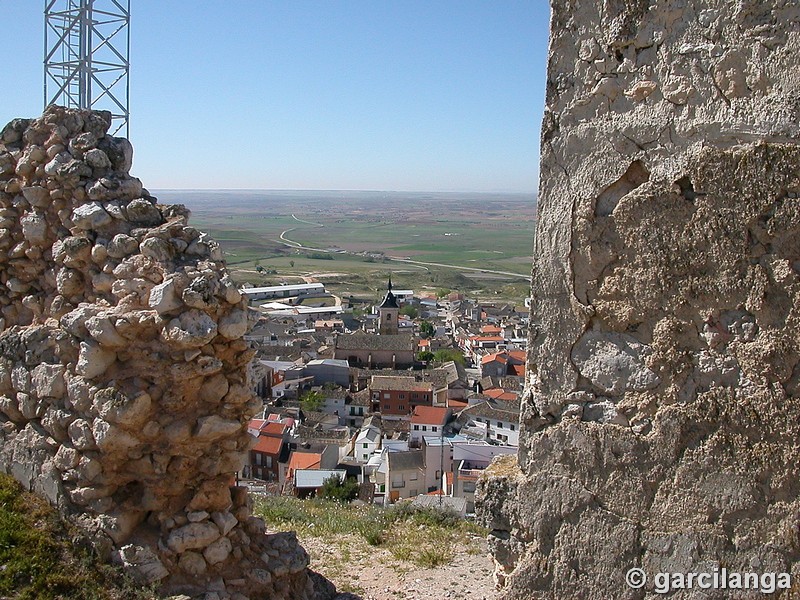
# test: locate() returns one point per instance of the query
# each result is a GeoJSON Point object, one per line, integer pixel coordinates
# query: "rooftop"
{"type": "Point", "coordinates": [382, 382]}
{"type": "Point", "coordinates": [434, 415]}
{"type": "Point", "coordinates": [365, 341]}
{"type": "Point", "coordinates": [404, 461]}
{"type": "Point", "coordinates": [315, 478]}
{"type": "Point", "coordinates": [268, 445]}
{"type": "Point", "coordinates": [491, 409]}
{"type": "Point", "coordinates": [304, 460]}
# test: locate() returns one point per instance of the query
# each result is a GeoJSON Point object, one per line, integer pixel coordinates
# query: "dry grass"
{"type": "Point", "coordinates": [44, 558]}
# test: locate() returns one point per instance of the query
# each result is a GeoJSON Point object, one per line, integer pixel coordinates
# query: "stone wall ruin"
{"type": "Point", "coordinates": [124, 396]}
{"type": "Point", "coordinates": [661, 416]}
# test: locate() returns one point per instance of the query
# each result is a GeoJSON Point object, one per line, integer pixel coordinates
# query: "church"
{"type": "Point", "coordinates": [388, 349]}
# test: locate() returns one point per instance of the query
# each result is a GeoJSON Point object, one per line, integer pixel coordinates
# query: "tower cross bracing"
{"type": "Point", "coordinates": [86, 65]}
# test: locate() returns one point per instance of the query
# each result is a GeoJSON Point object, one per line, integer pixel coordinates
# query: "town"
{"type": "Point", "coordinates": [412, 399]}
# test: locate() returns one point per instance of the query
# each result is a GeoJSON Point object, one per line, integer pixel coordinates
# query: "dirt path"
{"type": "Point", "coordinates": [364, 572]}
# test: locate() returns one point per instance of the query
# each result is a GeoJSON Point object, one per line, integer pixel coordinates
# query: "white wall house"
{"type": "Point", "coordinates": [367, 442]}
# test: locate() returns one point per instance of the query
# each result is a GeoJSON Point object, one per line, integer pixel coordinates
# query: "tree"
{"type": "Point", "coordinates": [335, 489]}
{"type": "Point", "coordinates": [447, 354]}
{"type": "Point", "coordinates": [426, 329]}
{"type": "Point", "coordinates": [311, 401]}
{"type": "Point", "coordinates": [425, 356]}
{"type": "Point", "coordinates": [409, 311]}
{"type": "Point", "coordinates": [291, 263]}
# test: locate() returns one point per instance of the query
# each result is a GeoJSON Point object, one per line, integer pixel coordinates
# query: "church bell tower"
{"type": "Point", "coordinates": [388, 311]}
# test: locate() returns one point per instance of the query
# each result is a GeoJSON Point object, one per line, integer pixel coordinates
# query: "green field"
{"type": "Point", "coordinates": [353, 240]}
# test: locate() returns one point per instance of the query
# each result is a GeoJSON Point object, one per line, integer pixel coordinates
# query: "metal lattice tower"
{"type": "Point", "coordinates": [86, 49]}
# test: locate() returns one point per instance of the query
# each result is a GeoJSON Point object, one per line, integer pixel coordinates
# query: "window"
{"type": "Point", "coordinates": [366, 446]}
{"type": "Point", "coordinates": [416, 427]}
{"type": "Point", "coordinates": [360, 411]}
{"type": "Point", "coordinates": [365, 456]}
{"type": "Point", "coordinates": [413, 477]}
{"type": "Point", "coordinates": [499, 424]}
{"type": "Point", "coordinates": [434, 428]}
{"type": "Point", "coordinates": [386, 406]}
{"type": "Point", "coordinates": [469, 487]}
{"type": "Point", "coordinates": [424, 428]}
{"type": "Point", "coordinates": [268, 462]}
{"type": "Point", "coordinates": [402, 396]}
{"type": "Point", "coordinates": [512, 426]}
{"type": "Point", "coordinates": [401, 407]}
{"type": "Point", "coordinates": [386, 395]}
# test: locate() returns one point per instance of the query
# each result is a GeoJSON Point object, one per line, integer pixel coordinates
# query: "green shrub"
{"type": "Point", "coordinates": [337, 490]}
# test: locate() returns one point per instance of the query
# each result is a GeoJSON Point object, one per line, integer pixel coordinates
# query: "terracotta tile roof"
{"type": "Point", "coordinates": [519, 355]}
{"type": "Point", "coordinates": [456, 404]}
{"type": "Point", "coordinates": [518, 370]}
{"type": "Point", "coordinates": [268, 445]}
{"type": "Point", "coordinates": [273, 429]}
{"type": "Point", "coordinates": [303, 460]}
{"type": "Point", "coordinates": [434, 415]}
{"type": "Point", "coordinates": [500, 394]}
{"type": "Point", "coordinates": [489, 329]}
{"type": "Point", "coordinates": [500, 357]}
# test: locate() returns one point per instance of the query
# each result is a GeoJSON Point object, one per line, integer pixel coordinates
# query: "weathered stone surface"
{"type": "Point", "coordinates": [661, 415]}
{"type": "Point", "coordinates": [218, 551]}
{"type": "Point", "coordinates": [192, 537]}
{"type": "Point", "coordinates": [93, 359]}
{"type": "Point", "coordinates": [164, 297]}
{"type": "Point", "coordinates": [120, 402]}
{"type": "Point", "coordinates": [234, 325]}
{"type": "Point", "coordinates": [214, 428]}
{"type": "Point", "coordinates": [191, 329]}
{"type": "Point", "coordinates": [143, 562]}
{"type": "Point", "coordinates": [90, 216]}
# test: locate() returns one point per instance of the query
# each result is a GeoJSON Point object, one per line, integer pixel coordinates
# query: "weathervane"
{"type": "Point", "coordinates": [86, 45]}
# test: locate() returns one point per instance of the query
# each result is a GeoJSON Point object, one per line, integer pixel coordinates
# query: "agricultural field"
{"type": "Point", "coordinates": [474, 243]}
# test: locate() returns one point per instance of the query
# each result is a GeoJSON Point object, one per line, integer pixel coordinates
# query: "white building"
{"type": "Point", "coordinates": [283, 291]}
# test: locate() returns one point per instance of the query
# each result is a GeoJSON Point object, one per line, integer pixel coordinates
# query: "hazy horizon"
{"type": "Point", "coordinates": [352, 95]}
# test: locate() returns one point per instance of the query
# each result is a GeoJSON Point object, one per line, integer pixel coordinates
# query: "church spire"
{"type": "Point", "coordinates": [389, 301]}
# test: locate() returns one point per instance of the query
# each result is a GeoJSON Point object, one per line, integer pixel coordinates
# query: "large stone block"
{"type": "Point", "coordinates": [664, 377]}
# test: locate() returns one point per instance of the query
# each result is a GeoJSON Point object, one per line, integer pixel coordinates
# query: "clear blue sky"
{"type": "Point", "coordinates": [429, 95]}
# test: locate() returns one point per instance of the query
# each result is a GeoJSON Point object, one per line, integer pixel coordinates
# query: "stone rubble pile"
{"type": "Point", "coordinates": [124, 396]}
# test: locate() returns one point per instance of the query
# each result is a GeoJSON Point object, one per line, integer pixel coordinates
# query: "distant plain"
{"type": "Point", "coordinates": [353, 240]}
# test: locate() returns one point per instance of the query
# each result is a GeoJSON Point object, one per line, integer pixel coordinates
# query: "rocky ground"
{"type": "Point", "coordinates": [364, 572]}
